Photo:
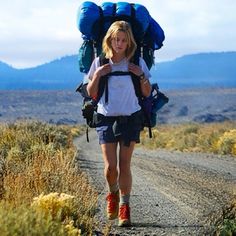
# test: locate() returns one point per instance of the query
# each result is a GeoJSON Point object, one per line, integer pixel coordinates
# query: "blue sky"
{"type": "Point", "coordinates": [38, 31]}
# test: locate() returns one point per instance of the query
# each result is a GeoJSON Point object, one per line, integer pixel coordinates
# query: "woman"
{"type": "Point", "coordinates": [119, 119]}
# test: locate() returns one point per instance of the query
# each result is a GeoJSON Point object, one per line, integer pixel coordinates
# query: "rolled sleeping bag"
{"type": "Point", "coordinates": [88, 20]}
{"type": "Point", "coordinates": [136, 14]}
{"type": "Point", "coordinates": [109, 11]}
{"type": "Point", "coordinates": [156, 33]}
{"type": "Point", "coordinates": [143, 17]}
{"type": "Point", "coordinates": [92, 21]}
{"type": "Point", "coordinates": [123, 9]}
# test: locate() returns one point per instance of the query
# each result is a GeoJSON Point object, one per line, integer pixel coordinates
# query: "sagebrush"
{"type": "Point", "coordinates": [39, 175]}
{"type": "Point", "coordinates": [218, 138]}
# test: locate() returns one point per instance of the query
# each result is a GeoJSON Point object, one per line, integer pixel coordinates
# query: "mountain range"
{"type": "Point", "coordinates": [216, 69]}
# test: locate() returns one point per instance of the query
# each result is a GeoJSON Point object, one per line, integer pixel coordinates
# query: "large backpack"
{"type": "Point", "coordinates": [93, 22]}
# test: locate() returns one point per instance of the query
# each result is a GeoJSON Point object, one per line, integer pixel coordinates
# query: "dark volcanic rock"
{"type": "Point", "coordinates": [64, 106]}
{"type": "Point", "coordinates": [183, 111]}
{"type": "Point", "coordinates": [209, 118]}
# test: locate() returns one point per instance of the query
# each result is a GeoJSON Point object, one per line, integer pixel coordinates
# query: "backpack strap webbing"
{"type": "Point", "coordinates": [104, 81]}
{"type": "Point", "coordinates": [103, 84]}
{"type": "Point", "coordinates": [135, 79]}
{"type": "Point", "coordinates": [138, 91]}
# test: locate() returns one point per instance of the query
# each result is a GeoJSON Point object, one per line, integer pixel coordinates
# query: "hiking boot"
{"type": "Point", "coordinates": [113, 200]}
{"type": "Point", "coordinates": [124, 216]}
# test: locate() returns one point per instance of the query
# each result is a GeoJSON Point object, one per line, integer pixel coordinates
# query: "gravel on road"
{"type": "Point", "coordinates": [173, 193]}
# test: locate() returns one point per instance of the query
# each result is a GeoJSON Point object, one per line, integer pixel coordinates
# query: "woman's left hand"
{"type": "Point", "coordinates": [135, 69]}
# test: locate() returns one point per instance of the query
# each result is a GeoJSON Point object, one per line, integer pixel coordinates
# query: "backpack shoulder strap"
{"type": "Point", "coordinates": [135, 78]}
{"type": "Point", "coordinates": [138, 92]}
{"type": "Point", "coordinates": [103, 83]}
{"type": "Point", "coordinates": [103, 60]}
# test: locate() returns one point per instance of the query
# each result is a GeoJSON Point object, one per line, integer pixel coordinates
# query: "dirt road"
{"type": "Point", "coordinates": [173, 193]}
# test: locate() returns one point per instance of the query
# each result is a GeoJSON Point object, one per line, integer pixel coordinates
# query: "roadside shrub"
{"type": "Point", "coordinates": [227, 142]}
{"type": "Point", "coordinates": [55, 204]}
{"type": "Point", "coordinates": [191, 129]}
{"type": "Point", "coordinates": [43, 168]}
{"type": "Point", "coordinates": [219, 138]}
{"type": "Point", "coordinates": [226, 225]}
{"type": "Point", "coordinates": [23, 220]}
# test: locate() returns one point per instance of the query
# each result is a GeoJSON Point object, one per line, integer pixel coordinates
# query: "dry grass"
{"type": "Point", "coordinates": [225, 221]}
{"type": "Point", "coordinates": [37, 160]}
{"type": "Point", "coordinates": [219, 138]}
{"type": "Point", "coordinates": [42, 192]}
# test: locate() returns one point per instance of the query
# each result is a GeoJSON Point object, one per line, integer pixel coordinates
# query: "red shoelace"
{"type": "Point", "coordinates": [112, 200]}
{"type": "Point", "coordinates": [124, 212]}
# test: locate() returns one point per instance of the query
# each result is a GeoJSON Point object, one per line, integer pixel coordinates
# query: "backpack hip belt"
{"type": "Point", "coordinates": [135, 118]}
{"type": "Point", "coordinates": [123, 126]}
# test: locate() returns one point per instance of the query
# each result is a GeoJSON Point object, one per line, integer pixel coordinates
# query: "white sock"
{"type": "Point", "coordinates": [124, 199]}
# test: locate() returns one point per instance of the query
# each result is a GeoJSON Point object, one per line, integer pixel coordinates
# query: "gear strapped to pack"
{"type": "Point", "coordinates": [149, 105]}
{"type": "Point", "coordinates": [93, 22]}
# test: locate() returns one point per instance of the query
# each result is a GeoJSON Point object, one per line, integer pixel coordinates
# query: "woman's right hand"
{"type": "Point", "coordinates": [103, 70]}
{"type": "Point", "coordinates": [92, 87]}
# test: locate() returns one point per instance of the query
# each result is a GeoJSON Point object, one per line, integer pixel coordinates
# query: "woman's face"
{"type": "Point", "coordinates": [119, 43]}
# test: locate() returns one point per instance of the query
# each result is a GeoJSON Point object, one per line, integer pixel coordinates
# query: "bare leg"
{"type": "Point", "coordinates": [125, 177]}
{"type": "Point", "coordinates": [110, 161]}
{"type": "Point", "coordinates": [109, 151]}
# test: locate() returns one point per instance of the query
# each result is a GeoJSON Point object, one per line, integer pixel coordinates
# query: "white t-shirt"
{"type": "Point", "coordinates": [122, 100]}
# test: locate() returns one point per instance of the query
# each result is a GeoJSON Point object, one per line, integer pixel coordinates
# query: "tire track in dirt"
{"type": "Point", "coordinates": [173, 193]}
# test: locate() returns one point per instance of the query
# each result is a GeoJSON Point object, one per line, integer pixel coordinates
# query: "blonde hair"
{"type": "Point", "coordinates": [116, 27]}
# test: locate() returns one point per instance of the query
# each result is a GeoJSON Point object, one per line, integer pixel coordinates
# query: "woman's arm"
{"type": "Point", "coordinates": [145, 84]}
{"type": "Point", "coordinates": [92, 87]}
